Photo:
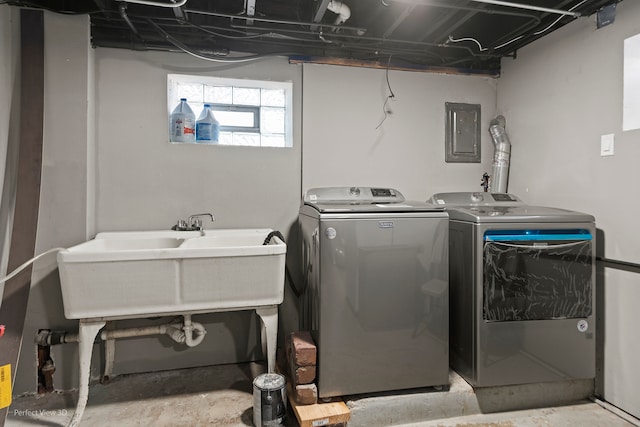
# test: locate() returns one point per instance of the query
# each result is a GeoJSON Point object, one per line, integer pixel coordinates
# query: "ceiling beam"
{"type": "Point", "coordinates": [322, 9]}
{"type": "Point", "coordinates": [441, 21]}
{"type": "Point", "coordinates": [404, 15]}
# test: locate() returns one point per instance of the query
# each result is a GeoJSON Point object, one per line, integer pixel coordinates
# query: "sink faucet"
{"type": "Point", "coordinates": [194, 223]}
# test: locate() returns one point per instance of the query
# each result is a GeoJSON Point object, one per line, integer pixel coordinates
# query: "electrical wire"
{"type": "Point", "coordinates": [243, 37]}
{"type": "Point", "coordinates": [186, 50]}
{"type": "Point", "coordinates": [537, 33]}
{"type": "Point", "coordinates": [558, 19]}
{"type": "Point", "coordinates": [390, 96]}
{"type": "Point", "coordinates": [157, 4]}
{"type": "Point", "coordinates": [464, 39]}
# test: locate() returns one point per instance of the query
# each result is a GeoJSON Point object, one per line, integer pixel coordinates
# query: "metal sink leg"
{"type": "Point", "coordinates": [86, 336]}
{"type": "Point", "coordinates": [269, 317]}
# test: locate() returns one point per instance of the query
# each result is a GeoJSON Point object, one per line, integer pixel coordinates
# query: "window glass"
{"type": "Point", "coordinates": [246, 96]}
{"type": "Point", "coordinates": [250, 113]}
{"type": "Point", "coordinates": [631, 100]}
{"type": "Point", "coordinates": [236, 118]}
{"type": "Point", "coordinates": [272, 120]}
{"type": "Point", "coordinates": [272, 140]}
{"type": "Point", "coordinates": [246, 139]}
{"type": "Point", "coordinates": [218, 94]}
{"type": "Point", "coordinates": [191, 91]}
{"type": "Point", "coordinates": [273, 97]}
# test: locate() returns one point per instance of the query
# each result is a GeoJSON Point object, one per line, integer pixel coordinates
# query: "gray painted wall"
{"type": "Point", "coordinates": [108, 166]}
{"type": "Point", "coordinates": [9, 124]}
{"type": "Point", "coordinates": [62, 220]}
{"type": "Point", "coordinates": [343, 106]}
{"type": "Point", "coordinates": [143, 182]}
{"type": "Point", "coordinates": [120, 173]}
{"type": "Point", "coordinates": [559, 96]}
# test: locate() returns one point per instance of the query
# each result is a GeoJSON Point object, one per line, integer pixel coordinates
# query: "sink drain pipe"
{"type": "Point", "coordinates": [188, 333]}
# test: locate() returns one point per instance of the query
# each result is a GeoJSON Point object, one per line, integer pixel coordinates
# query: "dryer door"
{"type": "Point", "coordinates": [537, 275]}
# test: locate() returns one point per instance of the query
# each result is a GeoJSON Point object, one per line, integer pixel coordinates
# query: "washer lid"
{"type": "Point", "coordinates": [521, 214]}
{"type": "Point", "coordinates": [352, 195]}
{"type": "Point", "coordinates": [501, 207]}
{"type": "Point", "coordinates": [363, 199]}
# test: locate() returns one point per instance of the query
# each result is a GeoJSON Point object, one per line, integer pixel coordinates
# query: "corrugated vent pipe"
{"type": "Point", "coordinates": [341, 9]}
{"type": "Point", "coordinates": [501, 155]}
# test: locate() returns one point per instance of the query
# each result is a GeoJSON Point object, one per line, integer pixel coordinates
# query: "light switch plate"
{"type": "Point", "coordinates": [606, 145]}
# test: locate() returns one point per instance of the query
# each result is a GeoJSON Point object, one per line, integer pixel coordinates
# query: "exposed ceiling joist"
{"type": "Point", "coordinates": [471, 35]}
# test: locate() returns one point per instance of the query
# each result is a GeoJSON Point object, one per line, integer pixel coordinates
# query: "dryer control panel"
{"type": "Point", "coordinates": [475, 199]}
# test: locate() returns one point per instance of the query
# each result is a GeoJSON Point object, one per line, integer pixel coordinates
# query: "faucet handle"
{"type": "Point", "coordinates": [195, 224]}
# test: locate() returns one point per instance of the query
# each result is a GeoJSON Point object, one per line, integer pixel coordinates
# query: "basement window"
{"type": "Point", "coordinates": [253, 113]}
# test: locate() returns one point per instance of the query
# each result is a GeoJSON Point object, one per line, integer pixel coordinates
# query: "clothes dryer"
{"type": "Point", "coordinates": [522, 290]}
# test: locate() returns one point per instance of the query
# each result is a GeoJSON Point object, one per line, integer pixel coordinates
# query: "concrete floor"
{"type": "Point", "coordinates": [223, 396]}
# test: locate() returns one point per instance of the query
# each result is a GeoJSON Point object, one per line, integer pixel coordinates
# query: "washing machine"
{"type": "Point", "coordinates": [376, 293]}
{"type": "Point", "coordinates": [522, 290]}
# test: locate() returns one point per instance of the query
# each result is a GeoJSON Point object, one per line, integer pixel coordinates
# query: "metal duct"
{"type": "Point", "coordinates": [501, 155]}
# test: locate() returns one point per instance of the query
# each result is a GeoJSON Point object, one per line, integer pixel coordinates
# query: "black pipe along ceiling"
{"type": "Point", "coordinates": [465, 36]}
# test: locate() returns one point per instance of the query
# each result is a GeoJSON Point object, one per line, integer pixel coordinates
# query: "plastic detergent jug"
{"type": "Point", "coordinates": [182, 124]}
{"type": "Point", "coordinates": [207, 127]}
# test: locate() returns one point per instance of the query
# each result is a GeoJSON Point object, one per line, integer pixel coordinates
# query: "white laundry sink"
{"type": "Point", "coordinates": [128, 274]}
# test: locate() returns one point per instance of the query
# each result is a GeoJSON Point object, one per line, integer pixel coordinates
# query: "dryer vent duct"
{"type": "Point", "coordinates": [501, 155]}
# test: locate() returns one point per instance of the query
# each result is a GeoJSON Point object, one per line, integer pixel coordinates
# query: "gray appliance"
{"type": "Point", "coordinates": [376, 295]}
{"type": "Point", "coordinates": [522, 290]}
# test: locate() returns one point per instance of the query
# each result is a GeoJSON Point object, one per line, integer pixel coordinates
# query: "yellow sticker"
{"type": "Point", "coordinates": [5, 386]}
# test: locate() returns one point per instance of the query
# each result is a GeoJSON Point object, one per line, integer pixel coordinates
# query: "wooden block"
{"type": "Point", "coordinates": [303, 349]}
{"type": "Point", "coordinates": [320, 414]}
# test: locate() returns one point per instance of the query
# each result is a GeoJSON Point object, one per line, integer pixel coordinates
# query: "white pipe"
{"type": "Point", "coordinates": [191, 328]}
{"type": "Point", "coordinates": [155, 3]}
{"type": "Point", "coordinates": [529, 7]}
{"type": "Point", "coordinates": [26, 264]}
{"type": "Point", "coordinates": [501, 155]}
{"type": "Point", "coordinates": [167, 329]}
{"type": "Point", "coordinates": [180, 333]}
{"type": "Point", "coordinates": [341, 9]}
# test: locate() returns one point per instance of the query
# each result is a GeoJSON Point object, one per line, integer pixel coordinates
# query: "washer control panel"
{"type": "Point", "coordinates": [353, 195]}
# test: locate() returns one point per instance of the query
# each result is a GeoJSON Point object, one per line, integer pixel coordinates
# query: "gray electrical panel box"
{"type": "Point", "coordinates": [462, 133]}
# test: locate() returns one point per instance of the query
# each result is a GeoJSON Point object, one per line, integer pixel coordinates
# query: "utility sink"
{"type": "Point", "coordinates": [126, 275]}
{"type": "Point", "coordinates": [129, 274]}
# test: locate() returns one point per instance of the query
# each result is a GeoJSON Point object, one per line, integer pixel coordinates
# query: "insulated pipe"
{"type": "Point", "coordinates": [501, 155]}
{"type": "Point", "coordinates": [341, 9]}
